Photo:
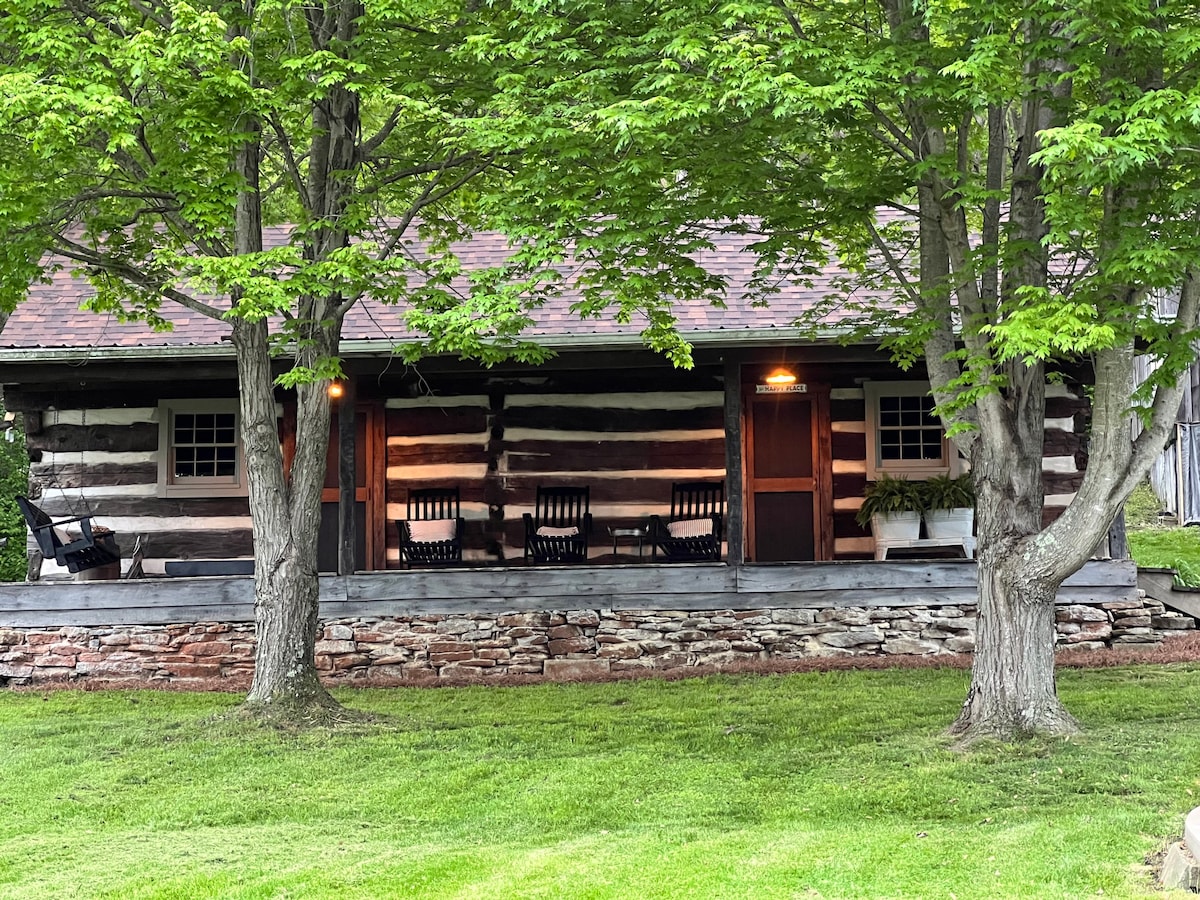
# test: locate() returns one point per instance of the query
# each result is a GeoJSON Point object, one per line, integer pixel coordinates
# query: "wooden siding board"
{"type": "Point", "coordinates": [845, 524]}
{"type": "Point", "coordinates": [141, 436]}
{"type": "Point", "coordinates": [650, 587]}
{"type": "Point", "coordinates": [848, 445]}
{"type": "Point", "coordinates": [446, 420]}
{"type": "Point", "coordinates": [615, 455]}
{"type": "Point", "coordinates": [74, 475]}
{"type": "Point", "coordinates": [217, 543]}
{"type": "Point", "coordinates": [436, 454]}
{"type": "Point", "coordinates": [568, 418]}
{"type": "Point", "coordinates": [115, 505]}
{"type": "Point", "coordinates": [468, 491]}
{"type": "Point", "coordinates": [619, 378]}
{"type": "Point", "coordinates": [1056, 442]}
{"type": "Point", "coordinates": [838, 576]}
{"type": "Point", "coordinates": [653, 492]}
{"type": "Point", "coordinates": [1060, 483]}
{"type": "Point", "coordinates": [1064, 407]}
{"type": "Point", "coordinates": [561, 585]}
{"type": "Point", "coordinates": [847, 410]}
{"type": "Point", "coordinates": [849, 484]}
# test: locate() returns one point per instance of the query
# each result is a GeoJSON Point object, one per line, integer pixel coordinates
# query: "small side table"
{"type": "Point", "coordinates": [630, 534]}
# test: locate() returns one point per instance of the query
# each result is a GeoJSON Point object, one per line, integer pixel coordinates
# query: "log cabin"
{"type": "Point", "coordinates": [103, 402]}
{"type": "Point", "coordinates": [140, 428]}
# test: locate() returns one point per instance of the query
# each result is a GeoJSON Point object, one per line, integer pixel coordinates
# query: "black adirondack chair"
{"type": "Point", "coordinates": [557, 530]}
{"type": "Point", "coordinates": [432, 533]}
{"type": "Point", "coordinates": [692, 533]}
{"type": "Point", "coordinates": [89, 550]}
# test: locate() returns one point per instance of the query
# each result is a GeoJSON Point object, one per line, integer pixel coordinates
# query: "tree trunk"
{"type": "Point", "coordinates": [285, 519]}
{"type": "Point", "coordinates": [1012, 690]}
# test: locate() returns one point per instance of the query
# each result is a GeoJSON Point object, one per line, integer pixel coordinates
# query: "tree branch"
{"type": "Point", "coordinates": [127, 271]}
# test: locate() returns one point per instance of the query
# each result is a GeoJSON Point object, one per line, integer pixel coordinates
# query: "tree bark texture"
{"type": "Point", "coordinates": [286, 520]}
{"type": "Point", "coordinates": [1012, 689]}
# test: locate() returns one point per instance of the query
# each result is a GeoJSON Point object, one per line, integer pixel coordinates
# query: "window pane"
{"type": "Point", "coordinates": [907, 433]}
{"type": "Point", "coordinates": [204, 445]}
{"type": "Point", "coordinates": [932, 439]}
{"type": "Point", "coordinates": [184, 424]}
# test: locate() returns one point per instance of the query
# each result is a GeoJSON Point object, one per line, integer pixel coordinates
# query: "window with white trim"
{"type": "Point", "coordinates": [904, 436]}
{"type": "Point", "coordinates": [200, 449]}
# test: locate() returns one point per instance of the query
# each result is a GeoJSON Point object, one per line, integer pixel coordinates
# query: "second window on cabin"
{"type": "Point", "coordinates": [904, 435]}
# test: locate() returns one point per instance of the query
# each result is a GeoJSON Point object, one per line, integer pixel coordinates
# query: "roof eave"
{"type": "Point", "coordinates": [754, 337]}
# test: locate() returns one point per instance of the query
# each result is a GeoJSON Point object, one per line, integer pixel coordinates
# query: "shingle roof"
{"type": "Point", "coordinates": [50, 319]}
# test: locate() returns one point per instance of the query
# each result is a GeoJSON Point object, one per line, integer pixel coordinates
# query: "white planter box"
{"type": "Point", "coordinates": [905, 526]}
{"type": "Point", "coordinates": [950, 523]}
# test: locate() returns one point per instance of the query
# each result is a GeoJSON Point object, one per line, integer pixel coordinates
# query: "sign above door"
{"type": "Point", "coordinates": [794, 388]}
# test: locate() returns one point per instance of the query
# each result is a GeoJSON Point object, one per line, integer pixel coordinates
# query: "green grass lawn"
{"type": "Point", "coordinates": [1157, 547]}
{"type": "Point", "coordinates": [1168, 548]}
{"type": "Point", "coordinates": [836, 784]}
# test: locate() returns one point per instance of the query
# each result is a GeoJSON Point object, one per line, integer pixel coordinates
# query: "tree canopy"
{"type": "Point", "coordinates": [1022, 176]}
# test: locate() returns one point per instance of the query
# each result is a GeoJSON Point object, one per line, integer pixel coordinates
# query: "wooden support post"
{"type": "Point", "coordinates": [1118, 543]}
{"type": "Point", "coordinates": [733, 462]}
{"type": "Point", "coordinates": [346, 488]}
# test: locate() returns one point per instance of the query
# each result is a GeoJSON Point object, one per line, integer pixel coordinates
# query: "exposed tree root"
{"type": "Point", "coordinates": [300, 713]}
{"type": "Point", "coordinates": [974, 727]}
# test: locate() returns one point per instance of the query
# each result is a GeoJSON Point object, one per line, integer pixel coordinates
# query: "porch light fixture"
{"type": "Point", "coordinates": [781, 376]}
{"type": "Point", "coordinates": [781, 381]}
{"type": "Point", "coordinates": [336, 390]}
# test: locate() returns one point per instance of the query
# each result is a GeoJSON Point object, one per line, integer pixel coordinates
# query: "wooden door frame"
{"type": "Point", "coordinates": [818, 394]}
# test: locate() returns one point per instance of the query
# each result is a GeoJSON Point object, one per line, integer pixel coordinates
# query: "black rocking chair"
{"type": "Point", "coordinates": [432, 533]}
{"type": "Point", "coordinates": [93, 548]}
{"type": "Point", "coordinates": [692, 533]}
{"type": "Point", "coordinates": [557, 530]}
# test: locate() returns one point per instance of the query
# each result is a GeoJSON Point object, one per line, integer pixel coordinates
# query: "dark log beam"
{"type": "Point", "coordinates": [347, 539]}
{"type": "Point", "coordinates": [734, 497]}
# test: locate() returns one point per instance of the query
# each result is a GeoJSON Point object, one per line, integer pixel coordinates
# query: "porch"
{"type": "Point", "coordinates": [554, 623]}
{"type": "Point", "coordinates": [492, 590]}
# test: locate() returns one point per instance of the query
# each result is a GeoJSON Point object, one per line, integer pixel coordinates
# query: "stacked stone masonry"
{"type": "Point", "coordinates": [557, 645]}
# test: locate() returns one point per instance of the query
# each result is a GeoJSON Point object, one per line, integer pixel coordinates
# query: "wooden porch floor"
{"type": "Point", "coordinates": [492, 590]}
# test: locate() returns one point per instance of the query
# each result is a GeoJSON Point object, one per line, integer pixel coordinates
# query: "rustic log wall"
{"type": "Point", "coordinates": [626, 434]}
{"type": "Point", "coordinates": [104, 462]}
{"type": "Point", "coordinates": [1064, 452]}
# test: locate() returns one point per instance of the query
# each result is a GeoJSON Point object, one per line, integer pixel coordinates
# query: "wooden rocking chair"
{"type": "Point", "coordinates": [93, 548]}
{"type": "Point", "coordinates": [557, 530]}
{"type": "Point", "coordinates": [432, 533]}
{"type": "Point", "coordinates": [692, 533]}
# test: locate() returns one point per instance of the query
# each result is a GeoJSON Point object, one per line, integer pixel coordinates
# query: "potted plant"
{"type": "Point", "coordinates": [949, 506]}
{"type": "Point", "coordinates": [893, 507]}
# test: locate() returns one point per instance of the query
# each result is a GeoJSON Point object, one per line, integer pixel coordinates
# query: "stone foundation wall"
{"type": "Point", "coordinates": [570, 644]}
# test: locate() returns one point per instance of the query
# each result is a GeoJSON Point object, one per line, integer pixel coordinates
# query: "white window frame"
{"type": "Point", "coordinates": [201, 486]}
{"type": "Point", "coordinates": [913, 469]}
